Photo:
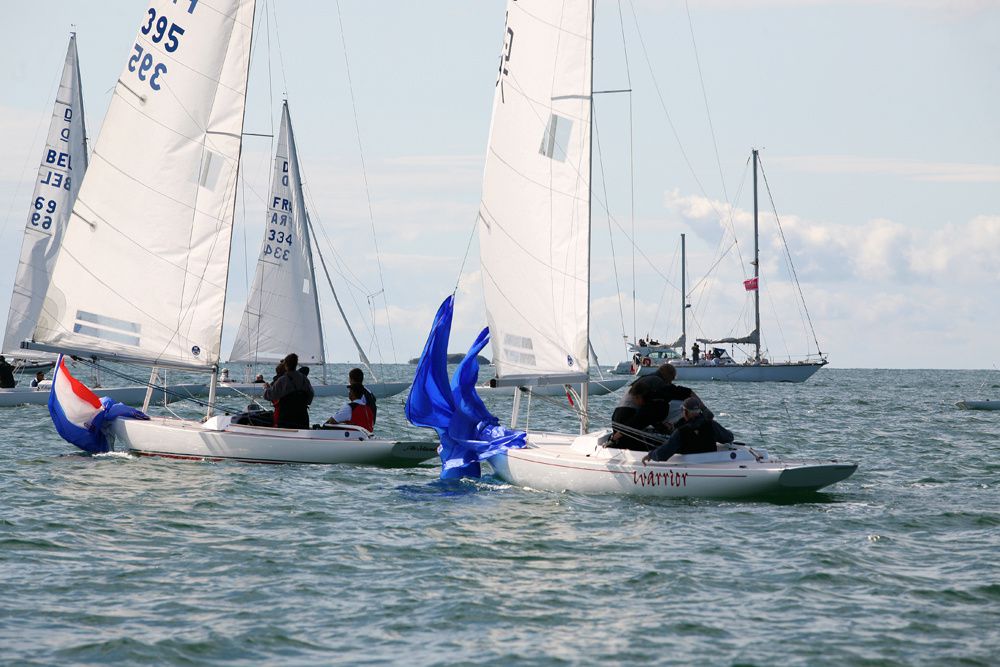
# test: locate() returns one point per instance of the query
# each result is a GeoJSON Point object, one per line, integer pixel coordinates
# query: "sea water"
{"type": "Point", "coordinates": [146, 561]}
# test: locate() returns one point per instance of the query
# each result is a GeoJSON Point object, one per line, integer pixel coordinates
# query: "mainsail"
{"type": "Point", "coordinates": [534, 231]}
{"type": "Point", "coordinates": [141, 274]}
{"type": "Point", "coordinates": [282, 311]}
{"type": "Point", "coordinates": [64, 162]}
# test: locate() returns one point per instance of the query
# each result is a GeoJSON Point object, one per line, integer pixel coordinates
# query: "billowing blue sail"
{"type": "Point", "coordinates": [468, 432]}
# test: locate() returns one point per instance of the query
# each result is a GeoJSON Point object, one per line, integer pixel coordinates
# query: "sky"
{"type": "Point", "coordinates": [876, 120]}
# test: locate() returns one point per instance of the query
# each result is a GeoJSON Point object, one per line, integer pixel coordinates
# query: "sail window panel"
{"type": "Point", "coordinates": [519, 358]}
{"type": "Point", "coordinates": [519, 350]}
{"type": "Point", "coordinates": [556, 137]}
{"type": "Point", "coordinates": [211, 167]}
{"type": "Point", "coordinates": [107, 328]}
{"type": "Point", "coordinates": [305, 286]}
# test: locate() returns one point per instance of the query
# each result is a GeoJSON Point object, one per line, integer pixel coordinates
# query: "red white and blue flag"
{"type": "Point", "coordinates": [79, 416]}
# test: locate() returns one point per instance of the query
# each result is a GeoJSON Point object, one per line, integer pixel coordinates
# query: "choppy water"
{"type": "Point", "coordinates": [107, 559]}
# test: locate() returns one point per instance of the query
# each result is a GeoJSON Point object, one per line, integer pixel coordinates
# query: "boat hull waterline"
{"type": "Point", "coordinates": [560, 462]}
{"type": "Point", "coordinates": [979, 405]}
{"type": "Point", "coordinates": [742, 373]}
{"type": "Point", "coordinates": [219, 440]}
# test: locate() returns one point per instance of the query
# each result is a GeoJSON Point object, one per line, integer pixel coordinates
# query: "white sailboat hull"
{"type": "Point", "coordinates": [742, 373]}
{"type": "Point", "coordinates": [219, 440]}
{"type": "Point", "coordinates": [594, 388]}
{"type": "Point", "coordinates": [979, 405]}
{"type": "Point", "coordinates": [256, 390]}
{"type": "Point", "coordinates": [561, 462]}
{"type": "Point", "coordinates": [127, 395]}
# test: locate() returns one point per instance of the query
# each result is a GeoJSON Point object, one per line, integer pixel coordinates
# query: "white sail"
{"type": "Point", "coordinates": [142, 271]}
{"type": "Point", "coordinates": [534, 229]}
{"type": "Point", "coordinates": [64, 162]}
{"type": "Point", "coordinates": [282, 312]}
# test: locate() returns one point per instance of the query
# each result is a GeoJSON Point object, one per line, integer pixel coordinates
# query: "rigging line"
{"type": "Point", "coordinates": [465, 258]}
{"type": "Point", "coordinates": [322, 261]}
{"type": "Point", "coordinates": [265, 25]}
{"type": "Point", "coordinates": [575, 410]}
{"type": "Point", "coordinates": [355, 286]}
{"type": "Point", "coordinates": [98, 367]}
{"type": "Point", "coordinates": [631, 160]}
{"type": "Point", "coordinates": [663, 105]}
{"type": "Point", "coordinates": [704, 95]}
{"type": "Point", "coordinates": [611, 236]}
{"type": "Point", "coordinates": [364, 171]}
{"type": "Point", "coordinates": [281, 54]}
{"type": "Point", "coordinates": [344, 269]}
{"type": "Point", "coordinates": [795, 273]}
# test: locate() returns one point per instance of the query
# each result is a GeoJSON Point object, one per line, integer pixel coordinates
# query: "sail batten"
{"type": "Point", "coordinates": [535, 211]}
{"type": "Point", "coordinates": [63, 165]}
{"type": "Point", "coordinates": [146, 251]}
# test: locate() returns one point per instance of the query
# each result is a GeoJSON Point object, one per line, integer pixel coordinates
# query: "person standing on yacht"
{"type": "Point", "coordinates": [292, 395]}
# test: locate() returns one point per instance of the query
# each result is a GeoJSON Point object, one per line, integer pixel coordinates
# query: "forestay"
{"type": "Point", "coordinates": [143, 266]}
{"type": "Point", "coordinates": [534, 228]}
{"type": "Point", "coordinates": [282, 312]}
{"type": "Point", "coordinates": [64, 162]}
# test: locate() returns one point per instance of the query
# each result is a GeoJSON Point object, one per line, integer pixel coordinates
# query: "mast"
{"type": "Point", "coordinates": [684, 331]}
{"type": "Point", "coordinates": [584, 393]}
{"type": "Point", "coordinates": [756, 265]}
{"type": "Point", "coordinates": [293, 154]}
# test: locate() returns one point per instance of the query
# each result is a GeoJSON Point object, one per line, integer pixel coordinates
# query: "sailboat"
{"type": "Point", "coordinates": [534, 237]}
{"type": "Point", "coordinates": [60, 173]}
{"type": "Point", "coordinates": [141, 275]}
{"type": "Point", "coordinates": [282, 310]}
{"type": "Point", "coordinates": [716, 363]}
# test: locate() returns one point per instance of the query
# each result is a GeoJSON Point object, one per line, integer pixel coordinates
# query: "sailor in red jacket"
{"type": "Point", "coordinates": [356, 412]}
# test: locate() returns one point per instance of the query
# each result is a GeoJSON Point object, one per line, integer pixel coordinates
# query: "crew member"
{"type": "Point", "coordinates": [695, 433]}
{"type": "Point", "coordinates": [357, 377]}
{"type": "Point", "coordinates": [7, 380]}
{"type": "Point", "coordinates": [357, 412]}
{"type": "Point", "coordinates": [291, 394]}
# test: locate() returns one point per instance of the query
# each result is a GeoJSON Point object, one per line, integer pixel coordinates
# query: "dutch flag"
{"type": "Point", "coordinates": [79, 416]}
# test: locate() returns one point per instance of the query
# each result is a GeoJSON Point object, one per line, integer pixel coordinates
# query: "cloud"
{"type": "Point", "coordinates": [938, 172]}
{"type": "Point", "coordinates": [949, 7]}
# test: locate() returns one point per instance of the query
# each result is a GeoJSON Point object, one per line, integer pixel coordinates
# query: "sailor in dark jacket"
{"type": "Point", "coordinates": [7, 380]}
{"type": "Point", "coordinates": [292, 395]}
{"type": "Point", "coordinates": [696, 433]}
{"type": "Point", "coordinates": [629, 414]}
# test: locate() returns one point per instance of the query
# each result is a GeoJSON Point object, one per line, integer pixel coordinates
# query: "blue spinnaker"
{"type": "Point", "coordinates": [469, 433]}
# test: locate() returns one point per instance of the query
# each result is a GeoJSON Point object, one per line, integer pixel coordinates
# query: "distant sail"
{"type": "Point", "coordinates": [142, 272]}
{"type": "Point", "coordinates": [64, 162]}
{"type": "Point", "coordinates": [534, 232]}
{"type": "Point", "coordinates": [282, 314]}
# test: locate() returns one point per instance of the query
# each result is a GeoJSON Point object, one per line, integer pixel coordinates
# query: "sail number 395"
{"type": "Point", "coordinates": [160, 30]}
